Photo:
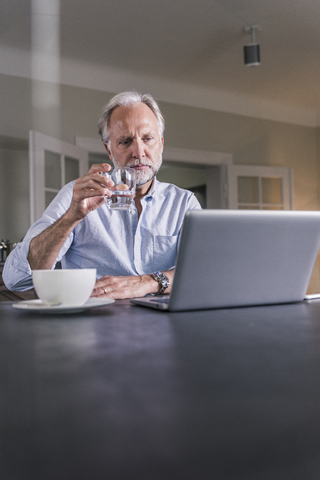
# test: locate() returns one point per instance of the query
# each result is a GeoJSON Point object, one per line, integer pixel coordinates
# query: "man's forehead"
{"type": "Point", "coordinates": [130, 117]}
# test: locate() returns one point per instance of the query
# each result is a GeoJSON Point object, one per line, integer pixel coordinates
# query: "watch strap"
{"type": "Point", "coordinates": [162, 280]}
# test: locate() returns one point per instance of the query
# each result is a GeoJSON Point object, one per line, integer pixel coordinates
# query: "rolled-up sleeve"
{"type": "Point", "coordinates": [17, 274]}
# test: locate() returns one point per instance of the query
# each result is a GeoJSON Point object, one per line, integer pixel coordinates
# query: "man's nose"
{"type": "Point", "coordinates": [138, 148]}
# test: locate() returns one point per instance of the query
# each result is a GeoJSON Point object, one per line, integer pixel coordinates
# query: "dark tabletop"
{"type": "Point", "coordinates": [124, 392]}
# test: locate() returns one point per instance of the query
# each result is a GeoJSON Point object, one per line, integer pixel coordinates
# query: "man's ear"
{"type": "Point", "coordinates": [162, 141]}
{"type": "Point", "coordinates": [107, 148]}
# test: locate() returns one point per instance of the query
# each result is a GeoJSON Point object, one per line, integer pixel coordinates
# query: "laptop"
{"type": "Point", "coordinates": [234, 258]}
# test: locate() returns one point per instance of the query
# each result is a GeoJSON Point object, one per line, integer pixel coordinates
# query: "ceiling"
{"type": "Point", "coordinates": [193, 42]}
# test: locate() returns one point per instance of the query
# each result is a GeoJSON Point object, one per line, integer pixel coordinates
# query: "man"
{"type": "Point", "coordinates": [134, 251]}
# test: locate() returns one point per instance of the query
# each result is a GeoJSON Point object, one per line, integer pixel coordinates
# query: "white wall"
{"type": "Point", "coordinates": [250, 140]}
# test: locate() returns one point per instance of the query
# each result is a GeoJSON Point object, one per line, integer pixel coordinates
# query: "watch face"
{"type": "Point", "coordinates": [164, 280]}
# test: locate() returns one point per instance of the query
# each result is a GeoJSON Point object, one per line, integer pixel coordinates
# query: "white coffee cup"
{"type": "Point", "coordinates": [69, 287]}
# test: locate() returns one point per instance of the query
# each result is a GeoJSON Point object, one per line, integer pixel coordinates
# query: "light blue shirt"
{"type": "Point", "coordinates": [113, 242]}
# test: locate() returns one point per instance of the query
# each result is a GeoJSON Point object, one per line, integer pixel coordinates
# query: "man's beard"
{"type": "Point", "coordinates": [142, 176]}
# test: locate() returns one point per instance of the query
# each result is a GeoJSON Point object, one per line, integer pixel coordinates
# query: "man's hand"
{"type": "Point", "coordinates": [127, 287]}
{"type": "Point", "coordinates": [89, 191]}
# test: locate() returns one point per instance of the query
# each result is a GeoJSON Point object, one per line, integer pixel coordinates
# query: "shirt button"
{"type": "Point", "coordinates": [132, 212]}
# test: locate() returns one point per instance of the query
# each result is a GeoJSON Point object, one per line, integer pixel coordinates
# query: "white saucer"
{"type": "Point", "coordinates": [39, 306]}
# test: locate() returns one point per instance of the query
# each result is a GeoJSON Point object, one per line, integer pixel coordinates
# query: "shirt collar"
{"type": "Point", "coordinates": [153, 187]}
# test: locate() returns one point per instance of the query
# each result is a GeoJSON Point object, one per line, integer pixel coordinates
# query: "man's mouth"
{"type": "Point", "coordinates": [140, 166]}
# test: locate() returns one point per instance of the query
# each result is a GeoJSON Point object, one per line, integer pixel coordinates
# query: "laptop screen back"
{"type": "Point", "coordinates": [232, 258]}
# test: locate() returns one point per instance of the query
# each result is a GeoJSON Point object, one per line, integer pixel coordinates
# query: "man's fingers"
{"type": "Point", "coordinates": [100, 167]}
{"type": "Point", "coordinates": [122, 186]}
{"type": "Point", "coordinates": [118, 287]}
{"type": "Point", "coordinates": [93, 181]}
{"type": "Point", "coordinates": [91, 186]}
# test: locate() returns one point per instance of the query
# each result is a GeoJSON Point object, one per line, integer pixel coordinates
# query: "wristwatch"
{"type": "Point", "coordinates": [163, 281]}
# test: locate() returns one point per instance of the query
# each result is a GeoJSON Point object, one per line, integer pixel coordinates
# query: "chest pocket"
{"type": "Point", "coordinates": [164, 251]}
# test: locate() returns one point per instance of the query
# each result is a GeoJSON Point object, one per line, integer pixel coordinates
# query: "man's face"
{"type": "Point", "coordinates": [135, 141]}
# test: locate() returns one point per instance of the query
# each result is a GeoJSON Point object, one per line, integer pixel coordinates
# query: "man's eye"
{"type": "Point", "coordinates": [124, 142]}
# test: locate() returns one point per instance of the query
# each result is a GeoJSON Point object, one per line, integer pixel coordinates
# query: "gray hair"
{"type": "Point", "coordinates": [125, 99]}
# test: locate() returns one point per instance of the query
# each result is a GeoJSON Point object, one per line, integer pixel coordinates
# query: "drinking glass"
{"type": "Point", "coordinates": [124, 188]}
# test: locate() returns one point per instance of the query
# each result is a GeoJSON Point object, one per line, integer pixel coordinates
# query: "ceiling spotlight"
{"type": "Point", "coordinates": [252, 51]}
